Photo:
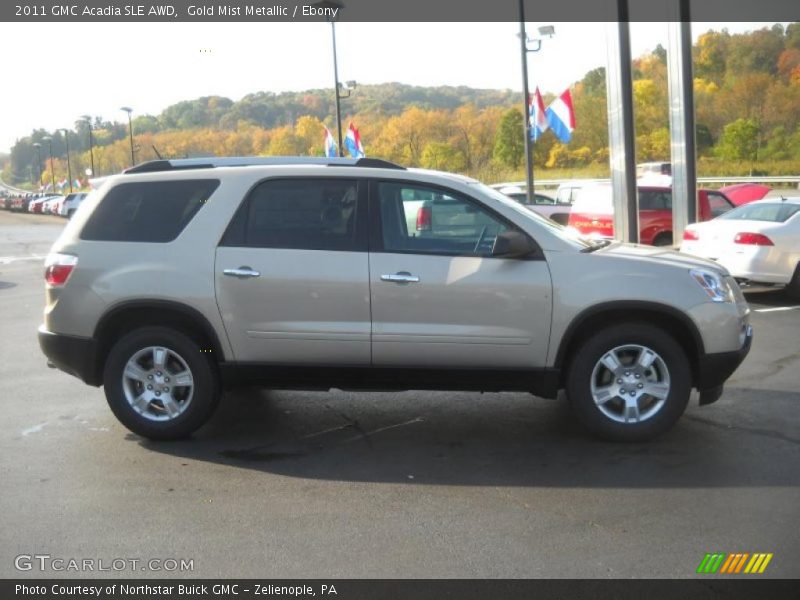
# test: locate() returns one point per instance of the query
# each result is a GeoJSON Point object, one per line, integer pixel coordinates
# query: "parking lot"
{"type": "Point", "coordinates": [413, 484]}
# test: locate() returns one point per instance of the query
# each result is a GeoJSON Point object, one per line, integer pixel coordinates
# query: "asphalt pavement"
{"type": "Point", "coordinates": [414, 484]}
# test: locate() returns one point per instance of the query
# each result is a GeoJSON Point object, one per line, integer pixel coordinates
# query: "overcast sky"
{"type": "Point", "coordinates": [56, 72]}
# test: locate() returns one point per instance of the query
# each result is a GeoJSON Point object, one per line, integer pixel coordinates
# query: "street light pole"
{"type": "Point", "coordinates": [88, 120]}
{"type": "Point", "coordinates": [38, 147]}
{"type": "Point", "coordinates": [526, 119]}
{"type": "Point", "coordinates": [69, 164]}
{"type": "Point", "coordinates": [129, 110]}
{"type": "Point", "coordinates": [526, 98]}
{"type": "Point", "coordinates": [49, 141]}
{"type": "Point", "coordinates": [336, 84]}
{"type": "Point", "coordinates": [338, 5]}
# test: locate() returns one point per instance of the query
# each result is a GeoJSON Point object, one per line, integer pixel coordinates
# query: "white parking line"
{"type": "Point", "coordinates": [5, 260]}
{"type": "Point", "coordinates": [34, 429]}
{"type": "Point", "coordinates": [776, 309]}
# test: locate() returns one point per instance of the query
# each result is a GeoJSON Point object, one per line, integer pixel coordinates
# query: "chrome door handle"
{"type": "Point", "coordinates": [401, 277]}
{"type": "Point", "coordinates": [242, 272]}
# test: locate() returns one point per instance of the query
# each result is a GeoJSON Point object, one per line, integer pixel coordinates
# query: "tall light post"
{"type": "Point", "coordinates": [49, 141]}
{"type": "Point", "coordinates": [38, 147]}
{"type": "Point", "coordinates": [69, 164]}
{"type": "Point", "coordinates": [337, 4]}
{"type": "Point", "coordinates": [129, 110]}
{"type": "Point", "coordinates": [88, 120]}
{"type": "Point", "coordinates": [524, 40]}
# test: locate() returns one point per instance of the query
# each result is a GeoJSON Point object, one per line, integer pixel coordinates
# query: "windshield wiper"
{"type": "Point", "coordinates": [596, 245]}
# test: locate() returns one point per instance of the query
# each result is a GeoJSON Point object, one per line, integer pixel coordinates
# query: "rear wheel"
{"type": "Point", "coordinates": [793, 288]}
{"type": "Point", "coordinates": [629, 382]}
{"type": "Point", "coordinates": [159, 384]}
{"type": "Point", "coordinates": [663, 239]}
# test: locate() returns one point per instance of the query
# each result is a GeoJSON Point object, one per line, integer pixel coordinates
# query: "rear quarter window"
{"type": "Point", "coordinates": [152, 211]}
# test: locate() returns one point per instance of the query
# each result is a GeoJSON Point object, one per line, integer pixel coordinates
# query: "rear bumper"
{"type": "Point", "coordinates": [72, 354]}
{"type": "Point", "coordinates": [714, 369]}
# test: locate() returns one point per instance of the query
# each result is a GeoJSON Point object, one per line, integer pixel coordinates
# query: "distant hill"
{"type": "Point", "coordinates": [269, 110]}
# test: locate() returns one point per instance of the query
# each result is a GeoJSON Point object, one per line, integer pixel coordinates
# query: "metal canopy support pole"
{"type": "Point", "coordinates": [681, 119]}
{"type": "Point", "coordinates": [621, 138]}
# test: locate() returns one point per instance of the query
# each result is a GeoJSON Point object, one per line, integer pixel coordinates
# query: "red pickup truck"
{"type": "Point", "coordinates": [592, 213]}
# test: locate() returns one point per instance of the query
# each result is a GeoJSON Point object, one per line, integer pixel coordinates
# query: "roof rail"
{"type": "Point", "coordinates": [155, 166]}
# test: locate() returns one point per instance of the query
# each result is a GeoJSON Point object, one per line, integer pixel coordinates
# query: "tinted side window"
{"type": "Point", "coordinates": [427, 220]}
{"type": "Point", "coordinates": [718, 204]}
{"type": "Point", "coordinates": [542, 199]}
{"type": "Point", "coordinates": [655, 200]}
{"type": "Point", "coordinates": [318, 214]}
{"type": "Point", "coordinates": [155, 211]}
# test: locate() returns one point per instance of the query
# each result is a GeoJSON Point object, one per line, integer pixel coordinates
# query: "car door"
{"type": "Point", "coordinates": [712, 204]}
{"type": "Point", "coordinates": [439, 298]}
{"type": "Point", "coordinates": [655, 215]}
{"type": "Point", "coordinates": [292, 274]}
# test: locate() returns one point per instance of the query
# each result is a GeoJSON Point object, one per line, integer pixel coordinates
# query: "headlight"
{"type": "Point", "coordinates": [713, 284]}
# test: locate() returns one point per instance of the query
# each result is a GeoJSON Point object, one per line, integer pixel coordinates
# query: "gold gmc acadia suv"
{"type": "Point", "coordinates": [179, 279]}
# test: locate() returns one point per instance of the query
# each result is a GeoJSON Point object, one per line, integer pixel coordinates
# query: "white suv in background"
{"type": "Point", "coordinates": [71, 204]}
{"type": "Point", "coordinates": [181, 278]}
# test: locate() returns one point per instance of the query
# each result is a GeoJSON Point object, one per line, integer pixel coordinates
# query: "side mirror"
{"type": "Point", "coordinates": [513, 244]}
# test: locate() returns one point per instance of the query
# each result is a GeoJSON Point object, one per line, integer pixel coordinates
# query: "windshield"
{"type": "Point", "coordinates": [774, 212]}
{"type": "Point", "coordinates": [554, 227]}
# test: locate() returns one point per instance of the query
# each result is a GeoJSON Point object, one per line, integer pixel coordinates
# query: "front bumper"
{"type": "Point", "coordinates": [72, 354]}
{"type": "Point", "coordinates": [714, 369]}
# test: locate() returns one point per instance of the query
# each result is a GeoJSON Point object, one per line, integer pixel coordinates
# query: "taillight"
{"type": "Point", "coordinates": [752, 239]}
{"type": "Point", "coordinates": [690, 235]}
{"type": "Point", "coordinates": [58, 267]}
{"type": "Point", "coordinates": [424, 218]}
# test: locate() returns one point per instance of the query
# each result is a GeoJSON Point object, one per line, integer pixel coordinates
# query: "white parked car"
{"type": "Point", "coordinates": [46, 207]}
{"type": "Point", "coordinates": [544, 205]}
{"type": "Point", "coordinates": [71, 204]}
{"type": "Point", "coordinates": [757, 242]}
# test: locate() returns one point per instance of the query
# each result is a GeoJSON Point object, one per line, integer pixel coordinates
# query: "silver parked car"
{"type": "Point", "coordinates": [182, 278]}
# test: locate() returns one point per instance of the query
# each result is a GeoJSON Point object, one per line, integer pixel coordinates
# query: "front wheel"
{"type": "Point", "coordinates": [629, 382]}
{"type": "Point", "coordinates": [159, 384]}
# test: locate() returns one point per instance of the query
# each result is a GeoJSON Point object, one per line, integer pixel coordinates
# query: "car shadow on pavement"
{"type": "Point", "coordinates": [769, 296]}
{"type": "Point", "coordinates": [498, 439]}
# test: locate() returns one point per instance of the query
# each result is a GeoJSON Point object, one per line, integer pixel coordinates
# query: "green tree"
{"type": "Point", "coordinates": [792, 34]}
{"type": "Point", "coordinates": [509, 145]}
{"type": "Point", "coordinates": [739, 141]}
{"type": "Point", "coordinates": [757, 51]}
{"type": "Point", "coordinates": [442, 156]}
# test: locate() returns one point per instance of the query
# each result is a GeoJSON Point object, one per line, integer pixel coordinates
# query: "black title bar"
{"type": "Point", "coordinates": [393, 11]}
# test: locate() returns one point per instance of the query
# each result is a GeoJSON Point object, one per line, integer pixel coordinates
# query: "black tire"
{"type": "Point", "coordinates": [582, 365]}
{"type": "Point", "coordinates": [663, 239]}
{"type": "Point", "coordinates": [205, 391]}
{"type": "Point", "coordinates": [793, 287]}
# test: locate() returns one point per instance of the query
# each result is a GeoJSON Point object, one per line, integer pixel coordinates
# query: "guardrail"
{"type": "Point", "coordinates": [12, 190]}
{"type": "Point", "coordinates": [551, 183]}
